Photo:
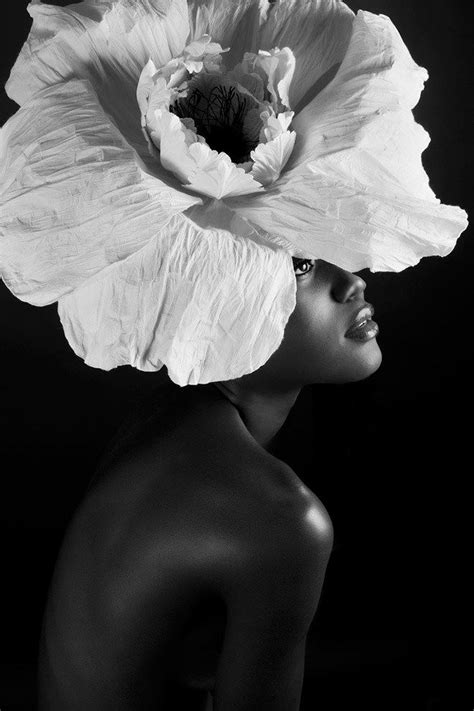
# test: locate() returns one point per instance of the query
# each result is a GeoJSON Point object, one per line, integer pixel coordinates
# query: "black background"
{"type": "Point", "coordinates": [390, 457]}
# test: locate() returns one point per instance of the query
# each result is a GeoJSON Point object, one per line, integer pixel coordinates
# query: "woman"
{"type": "Point", "coordinates": [195, 562]}
{"type": "Point", "coordinates": [166, 232]}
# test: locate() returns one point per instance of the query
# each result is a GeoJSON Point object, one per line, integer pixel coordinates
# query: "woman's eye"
{"type": "Point", "coordinates": [303, 266]}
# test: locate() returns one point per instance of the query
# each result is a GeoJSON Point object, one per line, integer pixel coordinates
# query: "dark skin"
{"type": "Point", "coordinates": [191, 571]}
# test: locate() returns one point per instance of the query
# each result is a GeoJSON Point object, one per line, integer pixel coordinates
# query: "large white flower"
{"type": "Point", "coordinates": [169, 158]}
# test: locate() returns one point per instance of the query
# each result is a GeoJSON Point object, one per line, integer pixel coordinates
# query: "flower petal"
{"type": "Point", "coordinates": [233, 24]}
{"type": "Point", "coordinates": [377, 82]}
{"type": "Point", "coordinates": [208, 303]}
{"type": "Point", "coordinates": [333, 217]}
{"type": "Point", "coordinates": [355, 192]}
{"type": "Point", "coordinates": [107, 42]}
{"type": "Point", "coordinates": [74, 198]}
{"type": "Point", "coordinates": [197, 166]}
{"type": "Point", "coordinates": [318, 33]}
{"type": "Point", "coordinates": [270, 158]}
{"type": "Point", "coordinates": [273, 124]}
{"type": "Point", "coordinates": [279, 66]}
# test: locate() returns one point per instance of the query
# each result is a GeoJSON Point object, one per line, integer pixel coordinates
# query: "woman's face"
{"type": "Point", "coordinates": [325, 340]}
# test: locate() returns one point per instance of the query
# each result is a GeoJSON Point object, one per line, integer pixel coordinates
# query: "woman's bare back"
{"type": "Point", "coordinates": [184, 536]}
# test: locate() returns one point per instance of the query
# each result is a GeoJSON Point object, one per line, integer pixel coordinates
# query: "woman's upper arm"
{"type": "Point", "coordinates": [272, 602]}
{"type": "Point", "coordinates": [258, 671]}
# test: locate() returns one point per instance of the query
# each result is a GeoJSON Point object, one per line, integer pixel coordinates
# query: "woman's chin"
{"type": "Point", "coordinates": [369, 361]}
{"type": "Point", "coordinates": [360, 364]}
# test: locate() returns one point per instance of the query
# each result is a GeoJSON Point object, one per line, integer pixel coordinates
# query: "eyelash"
{"type": "Point", "coordinates": [299, 262]}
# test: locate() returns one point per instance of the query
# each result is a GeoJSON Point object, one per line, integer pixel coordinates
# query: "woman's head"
{"type": "Point", "coordinates": [318, 346]}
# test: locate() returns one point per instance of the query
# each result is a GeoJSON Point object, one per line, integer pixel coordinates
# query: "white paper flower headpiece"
{"type": "Point", "coordinates": [171, 156]}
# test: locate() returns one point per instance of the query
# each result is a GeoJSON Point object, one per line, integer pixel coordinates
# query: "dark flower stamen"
{"type": "Point", "coordinates": [219, 118]}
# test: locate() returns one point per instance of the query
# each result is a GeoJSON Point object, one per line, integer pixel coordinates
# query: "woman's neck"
{"type": "Point", "coordinates": [263, 412]}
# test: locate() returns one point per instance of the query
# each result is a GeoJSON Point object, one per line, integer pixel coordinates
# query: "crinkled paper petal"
{"type": "Point", "coordinates": [200, 168]}
{"type": "Point", "coordinates": [206, 302]}
{"type": "Point", "coordinates": [232, 23]}
{"type": "Point", "coordinates": [73, 197]}
{"type": "Point", "coordinates": [279, 66]}
{"type": "Point", "coordinates": [355, 192]}
{"type": "Point", "coordinates": [318, 33]}
{"type": "Point", "coordinates": [105, 41]}
{"type": "Point", "coordinates": [270, 158]}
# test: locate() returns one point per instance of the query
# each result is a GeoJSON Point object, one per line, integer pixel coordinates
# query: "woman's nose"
{"type": "Point", "coordinates": [348, 287]}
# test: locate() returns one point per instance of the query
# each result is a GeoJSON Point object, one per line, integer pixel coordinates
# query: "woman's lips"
{"type": "Point", "coordinates": [363, 328]}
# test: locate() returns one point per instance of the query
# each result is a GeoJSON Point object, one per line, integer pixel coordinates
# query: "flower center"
{"type": "Point", "coordinates": [220, 118]}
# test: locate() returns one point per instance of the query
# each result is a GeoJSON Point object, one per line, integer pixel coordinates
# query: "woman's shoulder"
{"type": "Point", "coordinates": [189, 475]}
